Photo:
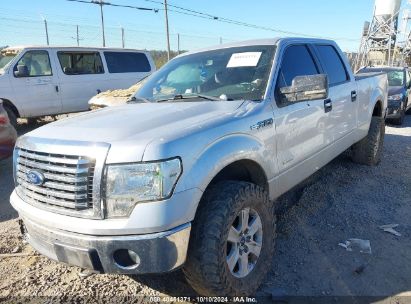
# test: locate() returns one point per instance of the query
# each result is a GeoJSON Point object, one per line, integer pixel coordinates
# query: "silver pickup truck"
{"type": "Point", "coordinates": [188, 172]}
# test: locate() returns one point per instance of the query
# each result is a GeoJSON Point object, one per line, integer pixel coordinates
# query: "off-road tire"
{"type": "Point", "coordinates": [206, 269]}
{"type": "Point", "coordinates": [368, 150]}
{"type": "Point", "coordinates": [12, 116]}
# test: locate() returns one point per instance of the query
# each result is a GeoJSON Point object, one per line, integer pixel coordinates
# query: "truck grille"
{"type": "Point", "coordinates": [68, 180]}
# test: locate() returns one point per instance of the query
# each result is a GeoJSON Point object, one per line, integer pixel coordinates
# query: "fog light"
{"type": "Point", "coordinates": [125, 258]}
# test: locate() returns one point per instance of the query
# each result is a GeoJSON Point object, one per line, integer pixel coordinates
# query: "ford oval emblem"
{"type": "Point", "coordinates": [35, 177]}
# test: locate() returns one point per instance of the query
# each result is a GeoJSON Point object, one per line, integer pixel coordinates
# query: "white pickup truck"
{"type": "Point", "coordinates": [188, 172]}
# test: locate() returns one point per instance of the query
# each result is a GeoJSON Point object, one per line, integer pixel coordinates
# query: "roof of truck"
{"type": "Point", "coordinates": [268, 41]}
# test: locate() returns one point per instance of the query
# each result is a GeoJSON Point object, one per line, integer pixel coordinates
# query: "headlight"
{"type": "Point", "coordinates": [396, 97]}
{"type": "Point", "coordinates": [129, 184]}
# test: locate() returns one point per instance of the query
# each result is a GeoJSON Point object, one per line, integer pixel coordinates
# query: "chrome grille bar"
{"type": "Point", "coordinates": [53, 168]}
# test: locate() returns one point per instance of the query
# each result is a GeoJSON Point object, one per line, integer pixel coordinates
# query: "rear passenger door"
{"type": "Point", "coordinates": [81, 76]}
{"type": "Point", "coordinates": [342, 91]}
{"type": "Point", "coordinates": [300, 126]}
{"type": "Point", "coordinates": [125, 68]}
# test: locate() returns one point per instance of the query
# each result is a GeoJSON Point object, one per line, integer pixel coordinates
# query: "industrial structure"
{"type": "Point", "coordinates": [379, 37]}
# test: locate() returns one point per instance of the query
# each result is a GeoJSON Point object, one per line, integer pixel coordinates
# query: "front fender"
{"type": "Point", "coordinates": [223, 152]}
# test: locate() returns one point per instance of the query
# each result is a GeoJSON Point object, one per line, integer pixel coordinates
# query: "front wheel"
{"type": "Point", "coordinates": [232, 240]}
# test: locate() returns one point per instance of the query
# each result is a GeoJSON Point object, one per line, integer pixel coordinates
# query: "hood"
{"type": "Point", "coordinates": [133, 126]}
{"type": "Point", "coordinates": [395, 90]}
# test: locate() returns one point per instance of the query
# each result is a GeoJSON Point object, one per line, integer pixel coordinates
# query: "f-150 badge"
{"type": "Point", "coordinates": [262, 124]}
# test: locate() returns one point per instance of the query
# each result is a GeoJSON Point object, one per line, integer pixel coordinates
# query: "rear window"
{"type": "Point", "coordinates": [332, 63]}
{"type": "Point", "coordinates": [127, 62]}
{"type": "Point", "coordinates": [80, 63]}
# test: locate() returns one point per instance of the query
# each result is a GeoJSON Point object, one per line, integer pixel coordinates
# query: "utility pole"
{"type": "Point", "coordinates": [178, 44]}
{"type": "Point", "coordinates": [123, 43]}
{"type": "Point", "coordinates": [167, 29]}
{"type": "Point", "coordinates": [77, 36]}
{"type": "Point", "coordinates": [47, 31]}
{"type": "Point", "coordinates": [221, 40]}
{"type": "Point", "coordinates": [102, 22]}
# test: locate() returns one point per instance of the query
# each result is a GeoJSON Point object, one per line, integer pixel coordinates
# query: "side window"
{"type": "Point", "coordinates": [127, 62]}
{"type": "Point", "coordinates": [80, 63]}
{"type": "Point", "coordinates": [297, 61]}
{"type": "Point", "coordinates": [37, 63]}
{"type": "Point", "coordinates": [332, 64]}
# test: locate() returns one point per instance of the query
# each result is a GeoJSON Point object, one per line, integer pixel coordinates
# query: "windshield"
{"type": "Point", "coordinates": [6, 56]}
{"type": "Point", "coordinates": [226, 74]}
{"type": "Point", "coordinates": [396, 78]}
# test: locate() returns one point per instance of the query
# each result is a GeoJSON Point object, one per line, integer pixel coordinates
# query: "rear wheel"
{"type": "Point", "coordinates": [368, 150]}
{"type": "Point", "coordinates": [232, 240]}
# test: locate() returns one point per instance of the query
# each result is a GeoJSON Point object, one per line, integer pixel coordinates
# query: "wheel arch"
{"type": "Point", "coordinates": [244, 170]}
{"type": "Point", "coordinates": [378, 109]}
{"type": "Point", "coordinates": [8, 103]}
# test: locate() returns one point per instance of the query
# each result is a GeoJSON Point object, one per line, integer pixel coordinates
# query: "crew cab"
{"type": "Point", "coordinates": [188, 172]}
{"type": "Point", "coordinates": [399, 85]}
{"type": "Point", "coordinates": [38, 81]}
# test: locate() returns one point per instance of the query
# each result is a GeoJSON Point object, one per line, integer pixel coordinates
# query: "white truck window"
{"type": "Point", "coordinates": [6, 56]}
{"type": "Point", "coordinates": [80, 63]}
{"type": "Point", "coordinates": [37, 63]}
{"type": "Point", "coordinates": [127, 62]}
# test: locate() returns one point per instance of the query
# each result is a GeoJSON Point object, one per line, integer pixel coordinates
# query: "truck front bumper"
{"type": "Point", "coordinates": [129, 254]}
{"type": "Point", "coordinates": [393, 113]}
{"type": "Point", "coordinates": [394, 110]}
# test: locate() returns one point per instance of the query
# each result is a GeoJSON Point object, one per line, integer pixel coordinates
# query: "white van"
{"type": "Point", "coordinates": [40, 81]}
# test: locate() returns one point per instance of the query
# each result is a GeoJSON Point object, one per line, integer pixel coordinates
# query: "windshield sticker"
{"type": "Point", "coordinates": [247, 59]}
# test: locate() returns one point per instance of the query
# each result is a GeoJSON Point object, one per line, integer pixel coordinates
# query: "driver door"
{"type": "Point", "coordinates": [301, 127]}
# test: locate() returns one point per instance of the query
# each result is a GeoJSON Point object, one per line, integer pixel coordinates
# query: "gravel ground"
{"type": "Point", "coordinates": [342, 202]}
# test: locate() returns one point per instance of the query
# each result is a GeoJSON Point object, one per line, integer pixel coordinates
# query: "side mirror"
{"type": "Point", "coordinates": [304, 88]}
{"type": "Point", "coordinates": [22, 71]}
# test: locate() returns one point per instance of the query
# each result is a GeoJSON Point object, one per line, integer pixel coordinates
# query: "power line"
{"type": "Point", "coordinates": [115, 5]}
{"type": "Point", "coordinates": [191, 12]}
{"type": "Point", "coordinates": [101, 3]}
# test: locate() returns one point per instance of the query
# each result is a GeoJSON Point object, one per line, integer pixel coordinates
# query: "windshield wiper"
{"type": "Point", "coordinates": [194, 96]}
{"type": "Point", "coordinates": [135, 99]}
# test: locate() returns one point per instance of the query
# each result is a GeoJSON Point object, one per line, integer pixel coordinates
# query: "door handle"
{"type": "Point", "coordinates": [353, 96]}
{"type": "Point", "coordinates": [328, 105]}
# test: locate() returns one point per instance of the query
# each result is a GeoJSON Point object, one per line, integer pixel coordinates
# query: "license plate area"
{"type": "Point", "coordinates": [82, 257]}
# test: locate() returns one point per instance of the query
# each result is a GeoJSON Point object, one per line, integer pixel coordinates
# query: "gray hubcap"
{"type": "Point", "coordinates": [244, 242]}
